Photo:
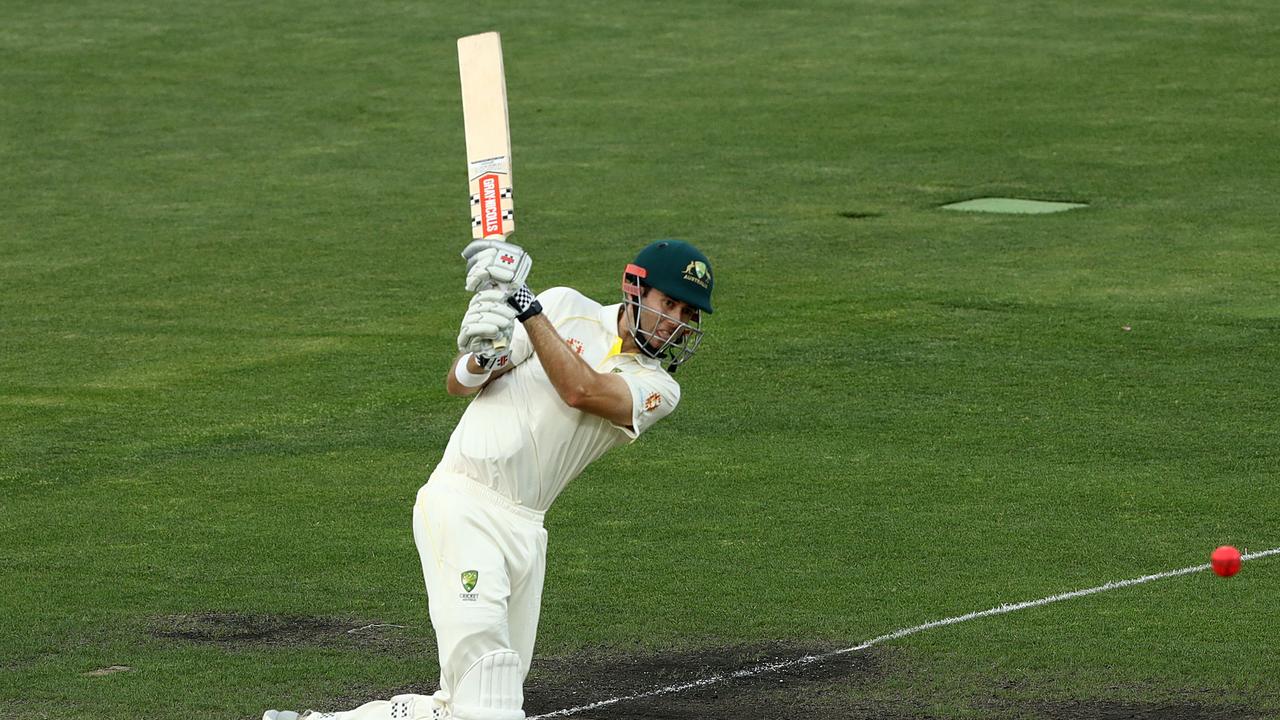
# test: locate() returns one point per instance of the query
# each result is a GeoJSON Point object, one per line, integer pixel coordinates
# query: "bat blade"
{"type": "Point", "coordinates": [484, 111]}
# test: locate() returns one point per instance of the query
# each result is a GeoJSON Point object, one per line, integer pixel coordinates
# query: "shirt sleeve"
{"type": "Point", "coordinates": [654, 394]}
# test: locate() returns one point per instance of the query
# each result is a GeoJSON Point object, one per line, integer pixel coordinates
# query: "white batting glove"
{"type": "Point", "coordinates": [488, 323]}
{"type": "Point", "coordinates": [489, 354]}
{"type": "Point", "coordinates": [495, 263]}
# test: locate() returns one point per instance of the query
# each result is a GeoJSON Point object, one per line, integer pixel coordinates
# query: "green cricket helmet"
{"type": "Point", "coordinates": [680, 271]}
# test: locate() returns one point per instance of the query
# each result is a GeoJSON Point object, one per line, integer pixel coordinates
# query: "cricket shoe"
{"type": "Point", "coordinates": [399, 707]}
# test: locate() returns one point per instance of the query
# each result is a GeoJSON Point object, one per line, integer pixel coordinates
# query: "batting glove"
{"type": "Point", "coordinates": [490, 357]}
{"type": "Point", "coordinates": [488, 323]}
{"type": "Point", "coordinates": [494, 263]}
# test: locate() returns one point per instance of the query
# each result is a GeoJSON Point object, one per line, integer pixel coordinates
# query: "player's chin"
{"type": "Point", "coordinates": [655, 344]}
{"type": "Point", "coordinates": [660, 344]}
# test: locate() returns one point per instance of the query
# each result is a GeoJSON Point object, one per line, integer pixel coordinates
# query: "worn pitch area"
{"type": "Point", "coordinates": [848, 686]}
{"type": "Point", "coordinates": [851, 686]}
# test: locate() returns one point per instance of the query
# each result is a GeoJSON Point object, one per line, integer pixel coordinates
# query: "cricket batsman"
{"type": "Point", "coordinates": [557, 380]}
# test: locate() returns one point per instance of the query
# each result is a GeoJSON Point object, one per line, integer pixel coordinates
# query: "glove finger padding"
{"type": "Point", "coordinates": [496, 263]}
{"type": "Point", "coordinates": [496, 297]}
{"type": "Point", "coordinates": [487, 353]}
{"type": "Point", "coordinates": [480, 259]}
{"type": "Point", "coordinates": [486, 325]}
{"type": "Point", "coordinates": [491, 350]}
{"type": "Point", "coordinates": [499, 308]}
{"type": "Point", "coordinates": [488, 318]}
{"type": "Point", "coordinates": [489, 275]}
{"type": "Point", "coordinates": [476, 247]}
{"type": "Point", "coordinates": [483, 336]}
{"type": "Point", "coordinates": [490, 301]}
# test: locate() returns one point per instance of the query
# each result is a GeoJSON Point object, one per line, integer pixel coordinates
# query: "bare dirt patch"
{"type": "Point", "coordinates": [735, 688]}
{"type": "Point", "coordinates": [842, 687]}
{"type": "Point", "coordinates": [258, 630]}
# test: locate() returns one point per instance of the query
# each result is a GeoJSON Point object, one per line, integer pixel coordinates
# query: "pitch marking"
{"type": "Point", "coordinates": [896, 634]}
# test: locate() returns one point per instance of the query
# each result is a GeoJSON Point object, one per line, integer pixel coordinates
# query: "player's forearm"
{"type": "Point", "coordinates": [471, 367]}
{"type": "Point", "coordinates": [572, 378]}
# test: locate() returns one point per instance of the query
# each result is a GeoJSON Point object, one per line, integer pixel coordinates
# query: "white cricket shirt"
{"type": "Point", "coordinates": [520, 439]}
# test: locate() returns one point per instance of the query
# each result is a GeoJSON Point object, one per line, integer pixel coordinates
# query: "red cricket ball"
{"type": "Point", "coordinates": [1225, 561]}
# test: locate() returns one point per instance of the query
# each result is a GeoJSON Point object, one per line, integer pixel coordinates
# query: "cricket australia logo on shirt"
{"type": "Point", "coordinates": [652, 402]}
{"type": "Point", "coordinates": [575, 345]}
{"type": "Point", "coordinates": [470, 578]}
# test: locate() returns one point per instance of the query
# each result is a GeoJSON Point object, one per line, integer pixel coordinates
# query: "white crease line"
{"type": "Point", "coordinates": [1000, 610]}
{"type": "Point", "coordinates": [374, 625]}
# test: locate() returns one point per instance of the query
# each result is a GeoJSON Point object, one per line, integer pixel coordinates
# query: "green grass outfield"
{"type": "Point", "coordinates": [229, 290]}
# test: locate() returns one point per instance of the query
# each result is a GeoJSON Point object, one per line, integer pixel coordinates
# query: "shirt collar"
{"type": "Point", "coordinates": [609, 318]}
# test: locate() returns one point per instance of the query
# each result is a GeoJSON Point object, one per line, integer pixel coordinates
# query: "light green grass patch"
{"type": "Point", "coordinates": [1012, 206]}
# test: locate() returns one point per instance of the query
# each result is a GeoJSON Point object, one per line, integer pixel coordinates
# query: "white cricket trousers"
{"type": "Point", "coordinates": [484, 560]}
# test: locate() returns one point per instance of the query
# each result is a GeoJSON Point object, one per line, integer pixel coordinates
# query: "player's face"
{"type": "Point", "coordinates": [661, 317]}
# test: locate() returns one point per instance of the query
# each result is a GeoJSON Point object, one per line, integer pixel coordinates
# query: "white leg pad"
{"type": "Point", "coordinates": [491, 689]}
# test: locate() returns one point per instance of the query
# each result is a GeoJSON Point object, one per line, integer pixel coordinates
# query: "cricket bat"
{"type": "Point", "coordinates": [484, 113]}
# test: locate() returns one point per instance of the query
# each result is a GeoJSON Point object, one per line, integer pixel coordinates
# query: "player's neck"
{"type": "Point", "coordinates": [624, 331]}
